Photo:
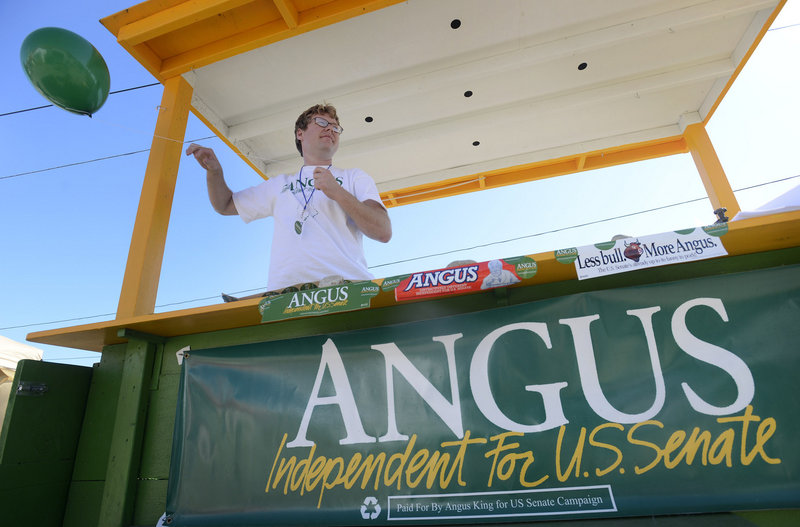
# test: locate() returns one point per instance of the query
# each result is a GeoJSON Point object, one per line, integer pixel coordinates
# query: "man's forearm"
{"type": "Point", "coordinates": [219, 193]}
{"type": "Point", "coordinates": [369, 216]}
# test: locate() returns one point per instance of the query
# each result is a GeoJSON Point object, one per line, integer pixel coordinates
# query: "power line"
{"type": "Point", "coordinates": [76, 319]}
{"type": "Point", "coordinates": [72, 164]}
{"type": "Point", "coordinates": [426, 256]}
{"type": "Point", "coordinates": [26, 110]}
{"type": "Point", "coordinates": [92, 160]}
{"type": "Point", "coordinates": [784, 27]}
{"type": "Point", "coordinates": [89, 160]}
{"type": "Point", "coordinates": [573, 226]}
{"type": "Point", "coordinates": [538, 233]}
{"type": "Point", "coordinates": [767, 183]}
{"type": "Point", "coordinates": [50, 105]}
{"type": "Point", "coordinates": [88, 317]}
{"type": "Point", "coordinates": [135, 88]}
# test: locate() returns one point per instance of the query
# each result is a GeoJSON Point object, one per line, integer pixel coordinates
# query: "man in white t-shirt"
{"type": "Point", "coordinates": [320, 211]}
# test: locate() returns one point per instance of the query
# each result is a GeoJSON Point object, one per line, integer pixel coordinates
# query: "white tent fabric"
{"type": "Point", "coordinates": [12, 352]}
{"type": "Point", "coordinates": [786, 202]}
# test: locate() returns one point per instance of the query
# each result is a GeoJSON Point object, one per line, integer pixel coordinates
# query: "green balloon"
{"type": "Point", "coordinates": [66, 68]}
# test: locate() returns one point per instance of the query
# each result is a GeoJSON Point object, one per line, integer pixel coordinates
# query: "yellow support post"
{"type": "Point", "coordinates": [711, 172]}
{"type": "Point", "coordinates": [143, 270]}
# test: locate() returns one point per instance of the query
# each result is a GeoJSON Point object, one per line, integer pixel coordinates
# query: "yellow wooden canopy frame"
{"type": "Point", "coordinates": [170, 37]}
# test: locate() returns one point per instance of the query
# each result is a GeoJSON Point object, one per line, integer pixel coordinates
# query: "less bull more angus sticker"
{"type": "Point", "coordinates": [655, 250]}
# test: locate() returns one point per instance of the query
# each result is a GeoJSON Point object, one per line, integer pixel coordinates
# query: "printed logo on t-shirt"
{"type": "Point", "coordinates": [296, 186]}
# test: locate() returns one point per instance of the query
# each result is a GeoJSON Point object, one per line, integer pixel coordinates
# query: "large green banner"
{"type": "Point", "coordinates": [659, 399]}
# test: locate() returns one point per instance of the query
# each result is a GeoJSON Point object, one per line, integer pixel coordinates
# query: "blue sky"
{"type": "Point", "coordinates": [65, 232]}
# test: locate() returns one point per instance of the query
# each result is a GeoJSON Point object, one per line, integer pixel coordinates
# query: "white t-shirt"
{"type": "Point", "coordinates": [329, 243]}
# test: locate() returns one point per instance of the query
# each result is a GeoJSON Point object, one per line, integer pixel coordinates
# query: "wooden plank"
{"type": "Point", "coordinates": [143, 269]}
{"type": "Point", "coordinates": [92, 454]}
{"type": "Point", "coordinates": [157, 444]}
{"type": "Point", "coordinates": [143, 24]}
{"type": "Point", "coordinates": [129, 418]}
{"type": "Point", "coordinates": [288, 11]}
{"type": "Point", "coordinates": [151, 501]}
{"type": "Point", "coordinates": [39, 441]}
{"type": "Point", "coordinates": [772, 518]}
{"type": "Point", "coordinates": [34, 493]}
{"type": "Point", "coordinates": [536, 171]}
{"type": "Point", "coordinates": [83, 505]}
{"type": "Point", "coordinates": [765, 233]}
{"type": "Point", "coordinates": [710, 168]}
{"type": "Point", "coordinates": [174, 18]}
{"type": "Point", "coordinates": [44, 417]}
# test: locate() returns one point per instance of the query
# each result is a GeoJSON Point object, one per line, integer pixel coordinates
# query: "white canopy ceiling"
{"type": "Point", "coordinates": [429, 90]}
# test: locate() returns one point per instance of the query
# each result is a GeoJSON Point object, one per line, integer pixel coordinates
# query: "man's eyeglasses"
{"type": "Point", "coordinates": [324, 124]}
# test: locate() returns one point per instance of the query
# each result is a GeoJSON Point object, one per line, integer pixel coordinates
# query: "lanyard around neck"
{"type": "Point", "coordinates": [306, 200]}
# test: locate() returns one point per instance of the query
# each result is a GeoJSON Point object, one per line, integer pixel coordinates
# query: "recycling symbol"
{"type": "Point", "coordinates": [370, 509]}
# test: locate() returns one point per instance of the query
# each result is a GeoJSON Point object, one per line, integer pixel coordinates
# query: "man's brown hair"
{"type": "Point", "coordinates": [305, 118]}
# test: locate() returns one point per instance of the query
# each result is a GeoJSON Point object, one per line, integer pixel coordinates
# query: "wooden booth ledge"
{"type": "Point", "coordinates": [754, 235]}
